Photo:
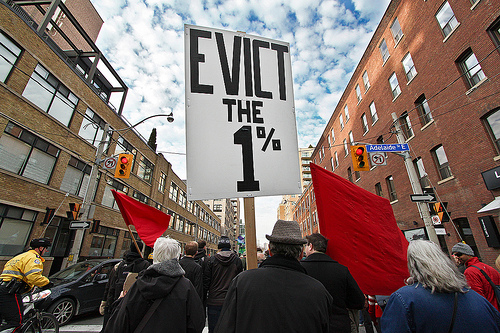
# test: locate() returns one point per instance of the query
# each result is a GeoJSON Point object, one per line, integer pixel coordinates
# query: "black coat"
{"type": "Point", "coordinates": [276, 297]}
{"type": "Point", "coordinates": [340, 284]}
{"type": "Point", "coordinates": [218, 273]}
{"type": "Point", "coordinates": [180, 310]}
{"type": "Point", "coordinates": [194, 273]}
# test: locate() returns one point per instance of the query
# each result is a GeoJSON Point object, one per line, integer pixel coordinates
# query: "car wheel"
{"type": "Point", "coordinates": [63, 309]}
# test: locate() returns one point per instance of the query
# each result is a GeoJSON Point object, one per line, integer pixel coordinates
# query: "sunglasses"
{"type": "Point", "coordinates": [458, 254]}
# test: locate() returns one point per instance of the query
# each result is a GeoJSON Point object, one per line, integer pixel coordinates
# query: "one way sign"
{"type": "Point", "coordinates": [427, 197]}
{"type": "Point", "coordinates": [80, 224]}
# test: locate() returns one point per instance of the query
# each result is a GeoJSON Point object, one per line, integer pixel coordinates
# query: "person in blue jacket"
{"type": "Point", "coordinates": [437, 298]}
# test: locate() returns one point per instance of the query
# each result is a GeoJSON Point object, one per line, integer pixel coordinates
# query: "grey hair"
{"type": "Point", "coordinates": [429, 266]}
{"type": "Point", "coordinates": [166, 248]}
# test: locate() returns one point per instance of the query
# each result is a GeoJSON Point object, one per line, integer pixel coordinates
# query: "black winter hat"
{"type": "Point", "coordinates": [224, 243]}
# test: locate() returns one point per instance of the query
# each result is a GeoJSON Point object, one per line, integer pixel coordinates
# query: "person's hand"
{"type": "Point", "coordinates": [101, 308]}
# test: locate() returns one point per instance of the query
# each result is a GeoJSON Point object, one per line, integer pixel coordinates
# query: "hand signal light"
{"type": "Point", "coordinates": [359, 158]}
{"type": "Point", "coordinates": [123, 166]}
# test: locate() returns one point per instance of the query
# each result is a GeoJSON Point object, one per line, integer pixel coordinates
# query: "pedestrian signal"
{"type": "Point", "coordinates": [359, 158]}
{"type": "Point", "coordinates": [74, 209]}
{"type": "Point", "coordinates": [439, 209]}
{"type": "Point", "coordinates": [124, 166]}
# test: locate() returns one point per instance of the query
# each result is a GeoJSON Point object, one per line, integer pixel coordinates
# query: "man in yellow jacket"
{"type": "Point", "coordinates": [19, 275]}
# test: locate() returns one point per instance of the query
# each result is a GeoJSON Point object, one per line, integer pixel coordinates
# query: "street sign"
{"type": "Point", "coordinates": [378, 159]}
{"type": "Point", "coordinates": [435, 220]}
{"type": "Point", "coordinates": [428, 197]}
{"type": "Point", "coordinates": [110, 162]}
{"type": "Point", "coordinates": [80, 224]}
{"type": "Point", "coordinates": [241, 134]}
{"type": "Point", "coordinates": [389, 148]}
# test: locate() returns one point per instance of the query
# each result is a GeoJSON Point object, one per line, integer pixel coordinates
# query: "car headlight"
{"type": "Point", "coordinates": [37, 296]}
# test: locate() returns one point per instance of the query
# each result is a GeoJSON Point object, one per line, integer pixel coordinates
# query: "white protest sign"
{"type": "Point", "coordinates": [241, 134]}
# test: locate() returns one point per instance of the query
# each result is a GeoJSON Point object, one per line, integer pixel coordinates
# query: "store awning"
{"type": "Point", "coordinates": [495, 204]}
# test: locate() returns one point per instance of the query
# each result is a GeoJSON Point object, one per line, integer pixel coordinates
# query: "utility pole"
{"type": "Point", "coordinates": [423, 208]}
{"type": "Point", "coordinates": [87, 200]}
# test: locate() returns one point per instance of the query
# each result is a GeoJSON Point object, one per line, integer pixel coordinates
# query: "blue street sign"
{"type": "Point", "coordinates": [398, 147]}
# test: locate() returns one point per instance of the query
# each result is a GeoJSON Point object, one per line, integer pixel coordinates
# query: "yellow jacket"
{"type": "Point", "coordinates": [27, 266]}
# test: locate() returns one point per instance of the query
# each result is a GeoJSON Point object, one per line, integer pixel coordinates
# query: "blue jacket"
{"type": "Point", "coordinates": [413, 309]}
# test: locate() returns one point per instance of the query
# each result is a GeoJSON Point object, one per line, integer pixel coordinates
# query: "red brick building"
{"type": "Point", "coordinates": [435, 65]}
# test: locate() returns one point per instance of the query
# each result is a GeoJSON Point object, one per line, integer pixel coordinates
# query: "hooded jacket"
{"type": "Point", "coordinates": [218, 272]}
{"type": "Point", "coordinates": [478, 282]}
{"type": "Point", "coordinates": [181, 309]}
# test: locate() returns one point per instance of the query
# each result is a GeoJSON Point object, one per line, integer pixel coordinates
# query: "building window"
{"type": "Point", "coordinates": [357, 175]}
{"type": "Point", "coordinates": [76, 178]}
{"type": "Point", "coordinates": [333, 136]}
{"type": "Point", "coordinates": [162, 182]}
{"type": "Point", "coordinates": [145, 170]}
{"type": "Point", "coordinates": [373, 113]}
{"type": "Point", "coordinates": [182, 198]}
{"type": "Point", "coordinates": [393, 81]}
{"type": "Point", "coordinates": [378, 189]}
{"type": "Point", "coordinates": [9, 53]}
{"type": "Point", "coordinates": [108, 199]}
{"type": "Point", "coordinates": [123, 147]}
{"type": "Point", "coordinates": [364, 122]}
{"type": "Point", "coordinates": [103, 244]}
{"type": "Point", "coordinates": [341, 120]}
{"type": "Point", "coordinates": [92, 129]}
{"type": "Point", "coordinates": [174, 192]}
{"type": "Point", "coordinates": [346, 149]}
{"type": "Point", "coordinates": [15, 228]}
{"type": "Point", "coordinates": [441, 161]}
{"type": "Point", "coordinates": [25, 154]}
{"type": "Point", "coordinates": [494, 31]}
{"type": "Point", "coordinates": [351, 138]}
{"type": "Point", "coordinates": [349, 174]}
{"type": "Point", "coordinates": [322, 152]}
{"type": "Point", "coordinates": [384, 50]}
{"type": "Point", "coordinates": [409, 67]}
{"type": "Point", "coordinates": [336, 160]}
{"type": "Point", "coordinates": [422, 175]}
{"type": "Point", "coordinates": [493, 125]}
{"type": "Point", "coordinates": [405, 123]}
{"type": "Point", "coordinates": [346, 111]}
{"type": "Point", "coordinates": [366, 81]}
{"type": "Point", "coordinates": [391, 188]}
{"type": "Point", "coordinates": [50, 95]}
{"type": "Point", "coordinates": [358, 93]}
{"type": "Point", "coordinates": [140, 197]}
{"type": "Point", "coordinates": [446, 19]}
{"type": "Point", "coordinates": [471, 68]}
{"type": "Point", "coordinates": [396, 31]}
{"type": "Point", "coordinates": [332, 163]}
{"type": "Point", "coordinates": [424, 112]}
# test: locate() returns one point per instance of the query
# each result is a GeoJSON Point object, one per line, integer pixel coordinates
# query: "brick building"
{"type": "Point", "coordinates": [54, 106]}
{"type": "Point", "coordinates": [434, 64]}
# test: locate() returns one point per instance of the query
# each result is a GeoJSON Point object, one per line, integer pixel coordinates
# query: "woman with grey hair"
{"type": "Point", "coordinates": [437, 298]}
{"type": "Point", "coordinates": [161, 299]}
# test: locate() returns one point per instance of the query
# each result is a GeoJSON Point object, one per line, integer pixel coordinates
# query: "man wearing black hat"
{"type": "Point", "coordinates": [278, 296]}
{"type": "Point", "coordinates": [19, 275]}
{"type": "Point", "coordinates": [132, 262]}
{"type": "Point", "coordinates": [218, 272]}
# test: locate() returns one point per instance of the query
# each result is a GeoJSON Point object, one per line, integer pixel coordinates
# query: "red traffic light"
{"type": "Point", "coordinates": [360, 151]}
{"type": "Point", "coordinates": [124, 160]}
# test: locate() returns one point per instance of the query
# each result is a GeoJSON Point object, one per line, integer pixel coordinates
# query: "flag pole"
{"type": "Point", "coordinates": [135, 242]}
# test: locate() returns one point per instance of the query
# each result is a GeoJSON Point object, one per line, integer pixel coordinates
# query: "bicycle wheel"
{"type": "Point", "coordinates": [47, 324]}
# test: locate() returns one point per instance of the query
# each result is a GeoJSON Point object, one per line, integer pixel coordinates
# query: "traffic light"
{"type": "Point", "coordinates": [440, 210]}
{"type": "Point", "coordinates": [124, 166]}
{"type": "Point", "coordinates": [360, 158]}
{"type": "Point", "coordinates": [95, 226]}
{"type": "Point", "coordinates": [74, 209]}
{"type": "Point", "coordinates": [49, 214]}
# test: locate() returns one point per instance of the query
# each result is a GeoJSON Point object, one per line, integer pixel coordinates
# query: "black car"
{"type": "Point", "coordinates": [77, 289]}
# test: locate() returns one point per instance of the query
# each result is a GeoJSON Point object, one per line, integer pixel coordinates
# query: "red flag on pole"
{"type": "Point", "coordinates": [363, 233]}
{"type": "Point", "coordinates": [149, 222]}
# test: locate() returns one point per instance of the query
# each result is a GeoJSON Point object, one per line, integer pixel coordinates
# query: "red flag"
{"type": "Point", "coordinates": [149, 222]}
{"type": "Point", "coordinates": [363, 233]}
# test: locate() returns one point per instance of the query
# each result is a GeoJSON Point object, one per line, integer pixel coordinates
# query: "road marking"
{"type": "Point", "coordinates": [80, 328]}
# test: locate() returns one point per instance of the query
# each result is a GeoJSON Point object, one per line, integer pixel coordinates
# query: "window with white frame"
{"type": "Point", "coordinates": [441, 161]}
{"type": "Point", "coordinates": [174, 192]}
{"type": "Point", "coordinates": [393, 81]}
{"type": "Point", "coordinates": [145, 170]}
{"type": "Point", "coordinates": [76, 178]}
{"type": "Point", "coordinates": [364, 123]}
{"type": "Point", "coordinates": [424, 112]}
{"type": "Point", "coordinates": [373, 113]}
{"type": "Point", "coordinates": [346, 148]}
{"type": "Point", "coordinates": [446, 19]}
{"type": "Point", "coordinates": [349, 174]}
{"type": "Point", "coordinates": [50, 95]}
{"type": "Point", "coordinates": [409, 67]}
{"type": "Point", "coordinates": [493, 124]}
{"type": "Point", "coordinates": [341, 120]}
{"type": "Point", "coordinates": [162, 182]}
{"type": "Point", "coordinates": [405, 123]}
{"type": "Point", "coordinates": [471, 68]}
{"type": "Point", "coordinates": [422, 175]}
{"type": "Point", "coordinates": [322, 152]}
{"type": "Point", "coordinates": [351, 138]}
{"type": "Point", "coordinates": [9, 53]}
{"type": "Point", "coordinates": [396, 31]}
{"type": "Point", "coordinates": [27, 155]}
{"type": "Point", "coordinates": [378, 190]}
{"type": "Point", "coordinates": [333, 136]}
{"type": "Point", "coordinates": [366, 81]}
{"type": "Point", "coordinates": [336, 160]}
{"type": "Point", "coordinates": [332, 164]}
{"type": "Point", "coordinates": [384, 50]}
{"type": "Point", "coordinates": [92, 129]}
{"type": "Point", "coordinates": [391, 188]}
{"type": "Point", "coordinates": [346, 111]}
{"type": "Point", "coordinates": [358, 93]}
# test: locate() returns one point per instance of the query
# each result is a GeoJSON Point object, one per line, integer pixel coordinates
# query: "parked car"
{"type": "Point", "coordinates": [77, 289]}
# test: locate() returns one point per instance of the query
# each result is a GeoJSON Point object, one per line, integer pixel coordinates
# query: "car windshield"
{"type": "Point", "coordinates": [75, 271]}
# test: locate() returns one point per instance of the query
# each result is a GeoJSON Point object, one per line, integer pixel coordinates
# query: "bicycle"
{"type": "Point", "coordinates": [34, 320]}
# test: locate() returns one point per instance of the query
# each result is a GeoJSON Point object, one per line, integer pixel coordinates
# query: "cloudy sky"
{"type": "Point", "coordinates": [143, 40]}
